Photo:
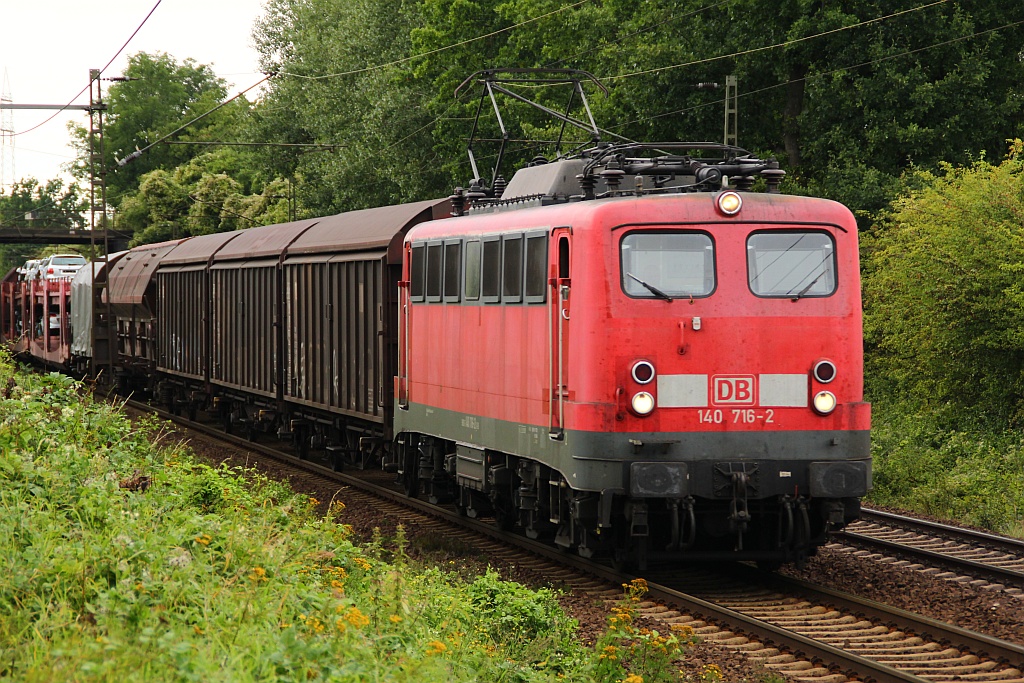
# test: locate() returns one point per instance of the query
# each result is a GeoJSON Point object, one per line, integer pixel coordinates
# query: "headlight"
{"type": "Point", "coordinates": [643, 372]}
{"type": "Point", "coordinates": [642, 403]}
{"type": "Point", "coordinates": [730, 203]}
{"type": "Point", "coordinates": [824, 402]}
{"type": "Point", "coordinates": [824, 371]}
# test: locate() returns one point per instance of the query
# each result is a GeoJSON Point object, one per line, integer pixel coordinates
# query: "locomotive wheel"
{"type": "Point", "coordinates": [410, 473]}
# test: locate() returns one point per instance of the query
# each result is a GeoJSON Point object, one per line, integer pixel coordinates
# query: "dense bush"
{"type": "Point", "coordinates": [944, 308]}
{"type": "Point", "coordinates": [976, 476]}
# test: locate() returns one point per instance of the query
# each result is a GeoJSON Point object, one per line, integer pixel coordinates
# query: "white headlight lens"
{"type": "Point", "coordinates": [643, 403]}
{"type": "Point", "coordinates": [729, 203]}
{"type": "Point", "coordinates": [824, 402]}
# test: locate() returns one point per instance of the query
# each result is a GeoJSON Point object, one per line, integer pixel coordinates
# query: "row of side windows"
{"type": "Point", "coordinates": [509, 268]}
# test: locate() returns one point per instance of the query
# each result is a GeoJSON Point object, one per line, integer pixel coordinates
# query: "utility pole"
{"type": "Point", "coordinates": [731, 136]}
{"type": "Point", "coordinates": [104, 332]}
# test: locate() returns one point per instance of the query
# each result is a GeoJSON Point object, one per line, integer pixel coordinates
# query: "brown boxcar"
{"type": "Point", "coordinates": [289, 327]}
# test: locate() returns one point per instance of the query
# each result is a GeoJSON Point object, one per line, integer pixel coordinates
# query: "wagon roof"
{"type": "Point", "coordinates": [368, 228]}
{"type": "Point", "coordinates": [133, 272]}
{"type": "Point", "coordinates": [198, 249]}
{"type": "Point", "coordinates": [265, 241]}
{"type": "Point", "coordinates": [84, 274]}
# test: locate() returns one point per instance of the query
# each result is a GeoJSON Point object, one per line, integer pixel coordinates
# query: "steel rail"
{"type": "Point", "coordinates": [948, 561]}
{"type": "Point", "coordinates": [1005, 543]}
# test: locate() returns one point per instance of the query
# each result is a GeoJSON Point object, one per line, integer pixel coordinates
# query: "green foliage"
{"type": "Point", "coordinates": [52, 204]}
{"type": "Point", "coordinates": [125, 558]}
{"type": "Point", "coordinates": [944, 311]}
{"type": "Point", "coordinates": [972, 475]}
{"type": "Point", "coordinates": [516, 614]}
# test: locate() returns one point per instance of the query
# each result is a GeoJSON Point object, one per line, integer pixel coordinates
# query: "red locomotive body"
{"type": "Point", "coordinates": [680, 372]}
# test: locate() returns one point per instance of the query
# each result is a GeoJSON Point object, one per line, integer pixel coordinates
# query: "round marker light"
{"type": "Point", "coordinates": [730, 203]}
{"type": "Point", "coordinates": [824, 371]}
{"type": "Point", "coordinates": [643, 403]}
{"type": "Point", "coordinates": [824, 402]}
{"type": "Point", "coordinates": [643, 372]}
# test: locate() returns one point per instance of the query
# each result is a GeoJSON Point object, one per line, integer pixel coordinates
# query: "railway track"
{"type": "Point", "coordinates": [990, 559]}
{"type": "Point", "coordinates": [806, 632]}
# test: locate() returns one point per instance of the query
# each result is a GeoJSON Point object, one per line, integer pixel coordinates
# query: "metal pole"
{"type": "Point", "coordinates": [731, 136]}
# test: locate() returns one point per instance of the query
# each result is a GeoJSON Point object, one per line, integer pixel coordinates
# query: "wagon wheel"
{"type": "Point", "coordinates": [410, 469]}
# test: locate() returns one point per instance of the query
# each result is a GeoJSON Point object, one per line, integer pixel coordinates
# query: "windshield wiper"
{"type": "Point", "coordinates": [806, 289]}
{"type": "Point", "coordinates": [651, 288]}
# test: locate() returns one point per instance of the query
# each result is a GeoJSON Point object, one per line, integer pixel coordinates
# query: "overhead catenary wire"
{"type": "Point", "coordinates": [637, 32]}
{"type": "Point", "coordinates": [139, 152]}
{"type": "Point", "coordinates": [106, 66]}
{"type": "Point", "coordinates": [808, 77]}
{"type": "Point", "coordinates": [764, 48]}
{"type": "Point", "coordinates": [437, 50]}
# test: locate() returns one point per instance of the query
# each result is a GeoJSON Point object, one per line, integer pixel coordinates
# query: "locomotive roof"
{"type": "Point", "coordinates": [696, 207]}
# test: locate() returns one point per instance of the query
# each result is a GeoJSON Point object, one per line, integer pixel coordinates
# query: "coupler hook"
{"type": "Point", "coordinates": [739, 514]}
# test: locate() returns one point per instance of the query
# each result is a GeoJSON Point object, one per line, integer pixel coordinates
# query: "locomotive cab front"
{"type": "Point", "coordinates": [727, 359]}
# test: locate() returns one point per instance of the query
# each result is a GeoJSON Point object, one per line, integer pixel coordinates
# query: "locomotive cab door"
{"type": "Point", "coordinates": [404, 299]}
{"type": "Point", "coordinates": [558, 328]}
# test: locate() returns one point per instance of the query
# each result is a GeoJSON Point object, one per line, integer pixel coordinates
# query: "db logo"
{"type": "Point", "coordinates": [733, 390]}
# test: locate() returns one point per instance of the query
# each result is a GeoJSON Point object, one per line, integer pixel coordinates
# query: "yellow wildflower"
{"type": "Point", "coordinates": [204, 539]}
{"type": "Point", "coordinates": [258, 574]}
{"type": "Point", "coordinates": [394, 618]}
{"type": "Point", "coordinates": [357, 618]}
{"type": "Point", "coordinates": [436, 647]}
{"type": "Point", "coordinates": [633, 678]}
{"type": "Point", "coordinates": [362, 563]}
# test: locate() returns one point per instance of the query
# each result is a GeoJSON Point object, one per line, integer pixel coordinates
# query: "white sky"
{"type": "Point", "coordinates": [48, 46]}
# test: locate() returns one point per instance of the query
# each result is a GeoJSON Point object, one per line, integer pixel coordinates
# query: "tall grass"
{"type": "Point", "coordinates": [922, 464]}
{"type": "Point", "coordinates": [124, 559]}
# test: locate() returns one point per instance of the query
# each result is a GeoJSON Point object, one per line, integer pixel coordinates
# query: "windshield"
{"type": "Point", "coordinates": [666, 265]}
{"type": "Point", "coordinates": [68, 261]}
{"type": "Point", "coordinates": [791, 264]}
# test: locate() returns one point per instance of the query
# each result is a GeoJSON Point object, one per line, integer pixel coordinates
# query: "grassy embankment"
{"type": "Point", "coordinates": [975, 476]}
{"type": "Point", "coordinates": [124, 559]}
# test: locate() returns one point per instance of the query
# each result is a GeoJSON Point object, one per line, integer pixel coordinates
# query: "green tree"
{"type": "Point", "coordinates": [331, 89]}
{"type": "Point", "coordinates": [28, 205]}
{"type": "Point", "coordinates": [944, 308]}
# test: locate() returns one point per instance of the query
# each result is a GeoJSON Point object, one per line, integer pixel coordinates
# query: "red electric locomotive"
{"type": "Point", "coordinates": [626, 353]}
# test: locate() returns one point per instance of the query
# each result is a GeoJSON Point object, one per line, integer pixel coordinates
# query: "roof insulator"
{"type": "Point", "coordinates": [612, 175]}
{"type": "Point", "coordinates": [773, 177]}
{"type": "Point", "coordinates": [587, 183]}
{"type": "Point", "coordinates": [499, 186]}
{"type": "Point", "coordinates": [458, 199]}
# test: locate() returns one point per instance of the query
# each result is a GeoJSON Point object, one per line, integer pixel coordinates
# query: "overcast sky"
{"type": "Point", "coordinates": [48, 46]}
